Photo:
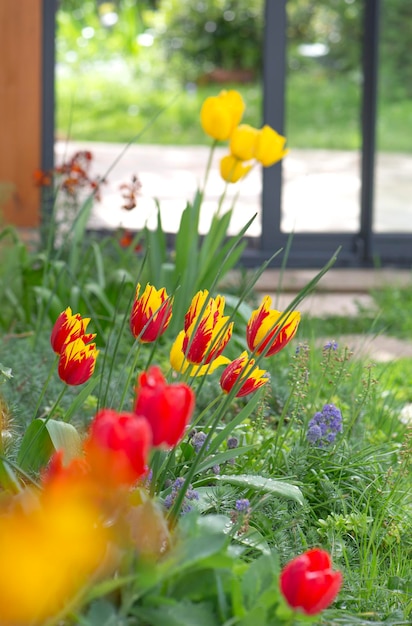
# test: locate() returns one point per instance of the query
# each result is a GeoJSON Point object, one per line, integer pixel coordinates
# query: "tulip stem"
{"type": "Point", "coordinates": [154, 466]}
{"type": "Point", "coordinates": [129, 377]}
{"type": "Point", "coordinates": [56, 404]}
{"type": "Point", "coordinates": [209, 165]}
{"type": "Point", "coordinates": [46, 384]}
{"type": "Point", "coordinates": [215, 420]}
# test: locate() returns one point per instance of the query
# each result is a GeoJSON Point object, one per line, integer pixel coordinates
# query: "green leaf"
{"type": "Point", "coordinates": [78, 233]}
{"type": "Point", "coordinates": [6, 371]}
{"type": "Point", "coordinates": [99, 264]}
{"type": "Point", "coordinates": [260, 576]}
{"type": "Point", "coordinates": [8, 478]}
{"type": "Point", "coordinates": [222, 457]}
{"type": "Point", "coordinates": [276, 488]}
{"type": "Point", "coordinates": [81, 397]}
{"type": "Point", "coordinates": [94, 289]}
{"type": "Point", "coordinates": [102, 613]}
{"type": "Point", "coordinates": [179, 614]}
{"type": "Point", "coordinates": [254, 539]}
{"type": "Point", "coordinates": [51, 301]}
{"type": "Point", "coordinates": [240, 417]}
{"type": "Point", "coordinates": [42, 438]}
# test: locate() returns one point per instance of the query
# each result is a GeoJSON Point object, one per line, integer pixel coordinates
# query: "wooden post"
{"type": "Point", "coordinates": [20, 110]}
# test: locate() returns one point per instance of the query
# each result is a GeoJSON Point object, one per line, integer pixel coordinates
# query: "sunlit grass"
{"type": "Point", "coordinates": [320, 113]}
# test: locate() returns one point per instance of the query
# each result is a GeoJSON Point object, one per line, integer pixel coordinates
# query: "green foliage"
{"type": "Point", "coordinates": [200, 37]}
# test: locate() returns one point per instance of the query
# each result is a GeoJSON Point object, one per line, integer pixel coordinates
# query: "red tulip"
{"type": "Point", "coordinates": [151, 313]}
{"type": "Point", "coordinates": [167, 408]}
{"type": "Point", "coordinates": [67, 328]}
{"type": "Point", "coordinates": [308, 582]}
{"type": "Point", "coordinates": [77, 361]}
{"type": "Point", "coordinates": [117, 447]}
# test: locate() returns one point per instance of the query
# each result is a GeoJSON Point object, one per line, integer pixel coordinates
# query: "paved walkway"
{"type": "Point", "coordinates": [320, 192]}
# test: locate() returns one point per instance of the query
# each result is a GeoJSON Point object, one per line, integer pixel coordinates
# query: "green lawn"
{"type": "Point", "coordinates": [320, 113]}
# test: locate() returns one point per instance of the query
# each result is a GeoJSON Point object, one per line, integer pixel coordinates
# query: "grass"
{"type": "Point", "coordinates": [99, 105]}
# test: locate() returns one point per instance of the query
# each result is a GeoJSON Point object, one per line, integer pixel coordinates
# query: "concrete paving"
{"type": "Point", "coordinates": [320, 188]}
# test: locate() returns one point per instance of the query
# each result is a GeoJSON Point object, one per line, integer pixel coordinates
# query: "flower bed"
{"type": "Point", "coordinates": [188, 456]}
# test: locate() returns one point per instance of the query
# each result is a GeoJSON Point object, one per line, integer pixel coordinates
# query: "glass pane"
{"type": "Point", "coordinates": [393, 189]}
{"type": "Point", "coordinates": [321, 174]}
{"type": "Point", "coordinates": [140, 70]}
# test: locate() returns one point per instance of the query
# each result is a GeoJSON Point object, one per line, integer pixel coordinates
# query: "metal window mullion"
{"type": "Point", "coordinates": [274, 64]}
{"type": "Point", "coordinates": [369, 108]}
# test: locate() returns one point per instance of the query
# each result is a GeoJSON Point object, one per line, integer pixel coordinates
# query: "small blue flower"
{"type": "Point", "coordinates": [198, 440]}
{"type": "Point", "coordinates": [232, 443]}
{"type": "Point", "coordinates": [190, 494]}
{"type": "Point", "coordinates": [324, 426]}
{"type": "Point", "coordinates": [331, 345]}
{"type": "Point", "coordinates": [242, 505]}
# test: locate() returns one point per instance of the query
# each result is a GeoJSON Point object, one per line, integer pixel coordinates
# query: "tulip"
{"type": "Point", "coordinates": [265, 333]}
{"type": "Point", "coordinates": [51, 546]}
{"type": "Point", "coordinates": [77, 361]}
{"type": "Point", "coordinates": [167, 408]}
{"type": "Point", "coordinates": [206, 329]}
{"type": "Point", "coordinates": [243, 372]}
{"type": "Point", "coordinates": [117, 447]}
{"type": "Point", "coordinates": [232, 170]}
{"type": "Point", "coordinates": [151, 313]}
{"type": "Point", "coordinates": [180, 364]}
{"type": "Point", "coordinates": [269, 146]}
{"type": "Point", "coordinates": [220, 114]}
{"type": "Point", "coordinates": [67, 328]}
{"type": "Point", "coordinates": [309, 583]}
{"type": "Point", "coordinates": [243, 142]}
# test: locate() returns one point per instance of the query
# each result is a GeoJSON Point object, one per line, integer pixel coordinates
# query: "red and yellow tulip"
{"type": "Point", "coordinates": [69, 327]}
{"type": "Point", "coordinates": [77, 361]}
{"type": "Point", "coordinates": [244, 373]}
{"type": "Point", "coordinates": [51, 543]}
{"type": "Point", "coordinates": [206, 333]}
{"type": "Point", "coordinates": [269, 330]}
{"type": "Point", "coordinates": [151, 313]}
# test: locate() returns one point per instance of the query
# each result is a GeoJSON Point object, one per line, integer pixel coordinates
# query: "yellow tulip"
{"type": "Point", "coordinates": [243, 142]}
{"type": "Point", "coordinates": [269, 146]}
{"type": "Point", "coordinates": [232, 169]}
{"type": "Point", "coordinates": [220, 114]}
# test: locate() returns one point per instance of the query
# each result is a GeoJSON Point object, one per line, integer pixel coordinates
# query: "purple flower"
{"type": "Point", "coordinates": [242, 505]}
{"type": "Point", "coordinates": [331, 345]}
{"type": "Point", "coordinates": [232, 443]}
{"type": "Point", "coordinates": [198, 440]}
{"type": "Point", "coordinates": [190, 494]}
{"type": "Point", "coordinates": [324, 426]}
